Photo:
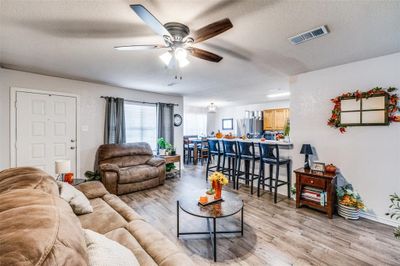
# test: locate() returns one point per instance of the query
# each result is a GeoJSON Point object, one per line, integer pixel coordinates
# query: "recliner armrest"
{"type": "Point", "coordinates": [109, 167]}
{"type": "Point", "coordinates": [156, 161]}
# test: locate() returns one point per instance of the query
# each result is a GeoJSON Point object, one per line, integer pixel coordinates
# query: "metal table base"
{"type": "Point", "coordinates": [211, 231]}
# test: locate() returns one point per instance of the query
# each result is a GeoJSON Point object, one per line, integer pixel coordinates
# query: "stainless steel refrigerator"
{"type": "Point", "coordinates": [250, 126]}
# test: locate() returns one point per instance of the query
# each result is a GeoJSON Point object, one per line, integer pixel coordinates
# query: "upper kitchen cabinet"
{"type": "Point", "coordinates": [275, 119]}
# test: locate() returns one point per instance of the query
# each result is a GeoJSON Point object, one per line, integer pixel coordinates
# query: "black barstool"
{"type": "Point", "coordinates": [213, 150]}
{"type": "Point", "coordinates": [247, 154]}
{"type": "Point", "coordinates": [270, 155]}
{"type": "Point", "coordinates": [230, 153]}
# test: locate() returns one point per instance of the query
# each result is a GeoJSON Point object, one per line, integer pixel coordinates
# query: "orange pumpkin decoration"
{"type": "Point", "coordinates": [218, 135]}
{"type": "Point", "coordinates": [330, 168]}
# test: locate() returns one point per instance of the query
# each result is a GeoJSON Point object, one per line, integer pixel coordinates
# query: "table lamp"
{"type": "Point", "coordinates": [62, 167]}
{"type": "Point", "coordinates": [307, 150]}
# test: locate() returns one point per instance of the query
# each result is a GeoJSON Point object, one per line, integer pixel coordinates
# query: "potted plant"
{"type": "Point", "coordinates": [92, 176]}
{"type": "Point", "coordinates": [162, 145]}
{"type": "Point", "coordinates": [169, 149]}
{"type": "Point", "coordinates": [350, 202]}
{"type": "Point", "coordinates": [169, 167]}
{"type": "Point", "coordinates": [286, 130]}
{"type": "Point", "coordinates": [394, 212]}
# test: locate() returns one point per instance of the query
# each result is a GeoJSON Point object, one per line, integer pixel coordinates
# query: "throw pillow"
{"type": "Point", "coordinates": [76, 199]}
{"type": "Point", "coordinates": [103, 251]}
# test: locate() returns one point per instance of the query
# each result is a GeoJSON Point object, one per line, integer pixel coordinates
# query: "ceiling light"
{"type": "Point", "coordinates": [282, 94]}
{"type": "Point", "coordinates": [166, 58]}
{"type": "Point", "coordinates": [183, 62]}
{"type": "Point", "coordinates": [212, 108]}
{"type": "Point", "coordinates": [180, 54]}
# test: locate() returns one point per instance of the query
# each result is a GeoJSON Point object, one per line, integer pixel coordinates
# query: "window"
{"type": "Point", "coordinates": [195, 124]}
{"type": "Point", "coordinates": [141, 123]}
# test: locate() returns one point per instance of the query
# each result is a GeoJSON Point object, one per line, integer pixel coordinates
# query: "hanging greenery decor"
{"type": "Point", "coordinates": [392, 106]}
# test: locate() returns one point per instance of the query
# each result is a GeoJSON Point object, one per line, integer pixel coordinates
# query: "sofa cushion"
{"type": "Point", "coordinates": [37, 228]}
{"type": "Point", "coordinates": [27, 177]}
{"type": "Point", "coordinates": [103, 219]}
{"type": "Point", "coordinates": [92, 189]}
{"type": "Point", "coordinates": [137, 173]}
{"type": "Point", "coordinates": [103, 251]}
{"type": "Point", "coordinates": [76, 199]}
{"type": "Point", "coordinates": [162, 250]}
{"type": "Point", "coordinates": [124, 210]}
{"type": "Point", "coordinates": [122, 236]}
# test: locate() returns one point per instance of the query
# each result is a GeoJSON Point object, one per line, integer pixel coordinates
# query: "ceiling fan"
{"type": "Point", "coordinates": [177, 40]}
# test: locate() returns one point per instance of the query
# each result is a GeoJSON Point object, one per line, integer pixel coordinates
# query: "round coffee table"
{"type": "Point", "coordinates": [230, 205]}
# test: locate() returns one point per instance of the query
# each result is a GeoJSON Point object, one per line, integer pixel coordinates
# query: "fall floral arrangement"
{"type": "Point", "coordinates": [334, 120]}
{"type": "Point", "coordinates": [218, 180]}
{"type": "Point", "coordinates": [218, 177]}
{"type": "Point", "coordinates": [350, 198]}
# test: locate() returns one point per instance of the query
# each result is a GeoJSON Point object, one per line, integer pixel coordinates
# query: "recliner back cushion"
{"type": "Point", "coordinates": [37, 228]}
{"type": "Point", "coordinates": [124, 155]}
{"type": "Point", "coordinates": [27, 177]}
{"type": "Point", "coordinates": [127, 161]}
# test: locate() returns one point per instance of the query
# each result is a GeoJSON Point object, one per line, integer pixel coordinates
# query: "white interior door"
{"type": "Point", "coordinates": [45, 130]}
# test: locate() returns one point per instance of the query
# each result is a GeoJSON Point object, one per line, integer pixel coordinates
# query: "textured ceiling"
{"type": "Point", "coordinates": [75, 39]}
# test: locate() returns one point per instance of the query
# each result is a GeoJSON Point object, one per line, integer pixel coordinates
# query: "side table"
{"type": "Point", "coordinates": [173, 159]}
{"type": "Point", "coordinates": [316, 181]}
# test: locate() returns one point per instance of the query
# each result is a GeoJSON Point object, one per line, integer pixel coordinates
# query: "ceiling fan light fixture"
{"type": "Point", "coordinates": [183, 62]}
{"type": "Point", "coordinates": [166, 58]}
{"type": "Point", "coordinates": [180, 53]}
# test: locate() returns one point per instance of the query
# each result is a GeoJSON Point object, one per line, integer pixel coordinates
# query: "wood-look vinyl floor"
{"type": "Point", "coordinates": [274, 234]}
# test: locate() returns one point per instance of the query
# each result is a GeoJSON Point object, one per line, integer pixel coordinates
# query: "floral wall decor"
{"type": "Point", "coordinates": [391, 106]}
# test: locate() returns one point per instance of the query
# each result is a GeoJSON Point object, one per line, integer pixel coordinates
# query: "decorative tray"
{"type": "Point", "coordinates": [211, 202]}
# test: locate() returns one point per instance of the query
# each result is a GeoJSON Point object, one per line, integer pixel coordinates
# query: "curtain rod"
{"type": "Point", "coordinates": [134, 101]}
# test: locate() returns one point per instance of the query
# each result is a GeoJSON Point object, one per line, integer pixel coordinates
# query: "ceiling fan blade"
{"type": "Point", "coordinates": [212, 30]}
{"type": "Point", "coordinates": [150, 20]}
{"type": "Point", "coordinates": [139, 47]}
{"type": "Point", "coordinates": [203, 54]}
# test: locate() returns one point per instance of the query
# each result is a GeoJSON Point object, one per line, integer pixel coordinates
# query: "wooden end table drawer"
{"type": "Point", "coordinates": [313, 181]}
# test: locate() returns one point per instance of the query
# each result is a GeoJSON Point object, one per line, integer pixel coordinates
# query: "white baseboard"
{"type": "Point", "coordinates": [383, 220]}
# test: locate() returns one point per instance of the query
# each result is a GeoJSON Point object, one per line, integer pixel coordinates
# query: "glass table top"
{"type": "Point", "coordinates": [230, 205]}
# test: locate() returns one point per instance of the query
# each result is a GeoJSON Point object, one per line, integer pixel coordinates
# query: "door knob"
{"type": "Point", "coordinates": [72, 148]}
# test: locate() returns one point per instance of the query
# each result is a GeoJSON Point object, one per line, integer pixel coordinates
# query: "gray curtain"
{"type": "Point", "coordinates": [114, 126]}
{"type": "Point", "coordinates": [165, 122]}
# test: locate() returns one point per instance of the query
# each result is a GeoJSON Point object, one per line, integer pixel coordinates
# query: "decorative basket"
{"type": "Point", "coordinates": [351, 213]}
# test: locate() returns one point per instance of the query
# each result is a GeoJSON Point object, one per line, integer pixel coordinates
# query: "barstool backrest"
{"type": "Point", "coordinates": [269, 152]}
{"type": "Point", "coordinates": [204, 143]}
{"type": "Point", "coordinates": [213, 146]}
{"type": "Point", "coordinates": [246, 149]}
{"type": "Point", "coordinates": [230, 147]}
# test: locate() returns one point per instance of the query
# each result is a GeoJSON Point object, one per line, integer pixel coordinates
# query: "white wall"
{"type": "Point", "coordinates": [92, 109]}
{"type": "Point", "coordinates": [238, 112]}
{"type": "Point", "coordinates": [368, 157]}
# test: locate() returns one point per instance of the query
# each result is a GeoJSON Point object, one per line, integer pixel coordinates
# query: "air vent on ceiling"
{"type": "Point", "coordinates": [309, 35]}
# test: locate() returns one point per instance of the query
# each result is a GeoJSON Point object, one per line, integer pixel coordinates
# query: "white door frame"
{"type": "Point", "coordinates": [13, 122]}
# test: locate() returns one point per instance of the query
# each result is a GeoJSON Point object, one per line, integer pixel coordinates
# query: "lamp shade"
{"type": "Point", "coordinates": [306, 149]}
{"type": "Point", "coordinates": [63, 166]}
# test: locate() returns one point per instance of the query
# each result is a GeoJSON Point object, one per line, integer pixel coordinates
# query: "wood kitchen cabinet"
{"type": "Point", "coordinates": [275, 119]}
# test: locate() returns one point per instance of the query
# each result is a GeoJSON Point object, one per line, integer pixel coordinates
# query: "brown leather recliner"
{"type": "Point", "coordinates": [125, 168]}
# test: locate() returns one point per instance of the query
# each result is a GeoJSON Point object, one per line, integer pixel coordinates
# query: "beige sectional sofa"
{"type": "Point", "coordinates": [37, 227]}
